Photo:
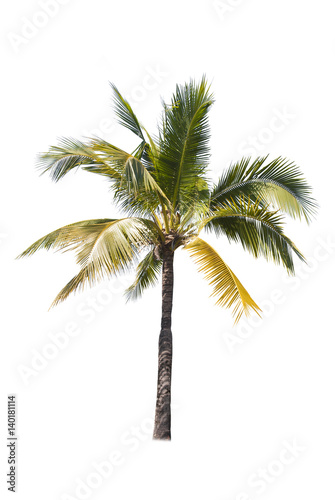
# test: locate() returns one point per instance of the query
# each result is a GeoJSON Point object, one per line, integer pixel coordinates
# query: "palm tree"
{"type": "Point", "coordinates": [165, 193]}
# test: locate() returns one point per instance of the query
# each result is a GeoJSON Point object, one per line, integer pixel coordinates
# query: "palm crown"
{"type": "Point", "coordinates": [164, 190]}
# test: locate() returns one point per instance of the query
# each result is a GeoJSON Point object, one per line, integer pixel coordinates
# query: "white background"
{"type": "Point", "coordinates": [239, 394]}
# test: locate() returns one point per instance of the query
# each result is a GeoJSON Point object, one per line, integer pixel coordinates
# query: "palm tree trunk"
{"type": "Point", "coordinates": [162, 429]}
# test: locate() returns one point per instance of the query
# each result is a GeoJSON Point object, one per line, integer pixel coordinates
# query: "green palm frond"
{"type": "Point", "coordinates": [147, 149]}
{"type": "Point", "coordinates": [125, 114]}
{"type": "Point", "coordinates": [226, 286]}
{"type": "Point", "coordinates": [72, 153]}
{"type": "Point", "coordinates": [279, 182]}
{"type": "Point", "coordinates": [183, 142]}
{"type": "Point", "coordinates": [147, 274]}
{"type": "Point", "coordinates": [259, 231]}
{"type": "Point", "coordinates": [144, 154]}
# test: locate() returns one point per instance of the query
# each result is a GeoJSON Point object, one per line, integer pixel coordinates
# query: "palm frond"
{"type": "Point", "coordinates": [131, 179]}
{"type": "Point", "coordinates": [279, 182]}
{"type": "Point", "coordinates": [136, 185]}
{"type": "Point", "coordinates": [104, 247]}
{"type": "Point", "coordinates": [143, 153]}
{"type": "Point", "coordinates": [193, 215]}
{"type": "Point", "coordinates": [68, 237]}
{"type": "Point", "coordinates": [125, 114]}
{"type": "Point", "coordinates": [147, 274]}
{"type": "Point", "coordinates": [183, 141]}
{"type": "Point", "coordinates": [70, 154]}
{"type": "Point", "coordinates": [225, 284]}
{"type": "Point", "coordinates": [127, 118]}
{"type": "Point", "coordinates": [259, 231]}
{"type": "Point", "coordinates": [109, 252]}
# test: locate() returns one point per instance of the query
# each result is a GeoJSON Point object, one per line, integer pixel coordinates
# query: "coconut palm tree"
{"type": "Point", "coordinates": [165, 193]}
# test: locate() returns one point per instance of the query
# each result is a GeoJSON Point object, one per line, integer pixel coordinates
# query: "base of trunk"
{"type": "Point", "coordinates": [162, 429]}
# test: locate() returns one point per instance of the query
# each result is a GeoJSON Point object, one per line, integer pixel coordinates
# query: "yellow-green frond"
{"type": "Point", "coordinates": [109, 251]}
{"type": "Point", "coordinates": [226, 286]}
{"type": "Point", "coordinates": [103, 247]}
{"type": "Point", "coordinates": [282, 199]}
{"type": "Point", "coordinates": [68, 237]}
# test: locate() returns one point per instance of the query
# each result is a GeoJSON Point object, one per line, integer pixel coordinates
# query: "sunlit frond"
{"type": "Point", "coordinates": [279, 182]}
{"type": "Point", "coordinates": [103, 247]}
{"type": "Point", "coordinates": [226, 286]}
{"type": "Point", "coordinates": [108, 253]}
{"type": "Point", "coordinates": [68, 237]}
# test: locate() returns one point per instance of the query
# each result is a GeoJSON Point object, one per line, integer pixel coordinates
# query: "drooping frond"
{"type": "Point", "coordinates": [147, 274]}
{"type": "Point", "coordinates": [278, 182]}
{"type": "Point", "coordinates": [183, 142]}
{"type": "Point", "coordinates": [103, 247]}
{"type": "Point", "coordinates": [259, 231]}
{"type": "Point", "coordinates": [109, 253]}
{"type": "Point", "coordinates": [226, 287]}
{"type": "Point", "coordinates": [68, 237]}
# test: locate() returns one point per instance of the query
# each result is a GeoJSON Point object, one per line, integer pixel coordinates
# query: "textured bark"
{"type": "Point", "coordinates": [162, 429]}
